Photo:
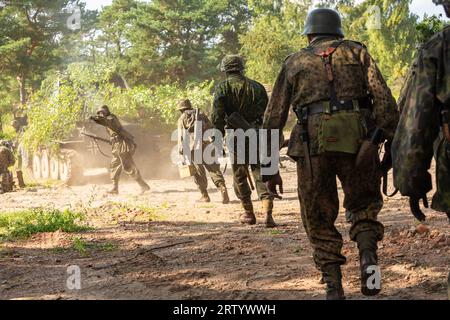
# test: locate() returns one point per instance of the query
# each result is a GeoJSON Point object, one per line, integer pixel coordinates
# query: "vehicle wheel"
{"type": "Point", "coordinates": [45, 165]}
{"type": "Point", "coordinates": [54, 167]}
{"type": "Point", "coordinates": [70, 171]}
{"type": "Point", "coordinates": [37, 173]}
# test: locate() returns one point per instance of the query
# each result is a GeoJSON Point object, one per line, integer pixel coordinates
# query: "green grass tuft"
{"type": "Point", "coordinates": [24, 224]}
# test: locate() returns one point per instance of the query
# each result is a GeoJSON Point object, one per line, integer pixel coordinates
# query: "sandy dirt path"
{"type": "Point", "coordinates": [164, 245]}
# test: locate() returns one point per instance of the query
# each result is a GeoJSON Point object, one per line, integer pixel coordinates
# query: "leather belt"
{"type": "Point", "coordinates": [348, 105]}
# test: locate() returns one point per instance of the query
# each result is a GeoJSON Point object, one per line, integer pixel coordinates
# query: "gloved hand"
{"type": "Point", "coordinates": [414, 204]}
{"type": "Point", "coordinates": [272, 183]}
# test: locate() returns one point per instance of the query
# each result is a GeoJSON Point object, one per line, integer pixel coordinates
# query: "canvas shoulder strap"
{"type": "Point", "coordinates": [326, 57]}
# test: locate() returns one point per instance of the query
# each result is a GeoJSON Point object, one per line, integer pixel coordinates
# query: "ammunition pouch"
{"type": "Point", "coordinates": [341, 127]}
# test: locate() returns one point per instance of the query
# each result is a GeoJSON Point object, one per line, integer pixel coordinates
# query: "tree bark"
{"type": "Point", "coordinates": [22, 89]}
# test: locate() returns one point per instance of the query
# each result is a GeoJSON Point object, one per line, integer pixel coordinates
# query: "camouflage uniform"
{"type": "Point", "coordinates": [6, 160]}
{"type": "Point", "coordinates": [303, 82]}
{"type": "Point", "coordinates": [425, 95]}
{"type": "Point", "coordinates": [226, 97]}
{"type": "Point", "coordinates": [186, 123]}
{"type": "Point", "coordinates": [249, 98]}
{"type": "Point", "coordinates": [123, 149]}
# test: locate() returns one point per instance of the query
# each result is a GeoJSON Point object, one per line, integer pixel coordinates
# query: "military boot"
{"type": "Point", "coordinates": [368, 260]}
{"type": "Point", "coordinates": [144, 186]}
{"type": "Point", "coordinates": [224, 193]}
{"type": "Point", "coordinates": [114, 189]}
{"type": "Point", "coordinates": [268, 208]}
{"type": "Point", "coordinates": [248, 217]}
{"type": "Point", "coordinates": [205, 197]}
{"type": "Point", "coordinates": [332, 276]}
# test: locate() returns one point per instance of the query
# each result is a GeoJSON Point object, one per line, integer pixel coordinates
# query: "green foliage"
{"type": "Point", "coordinates": [428, 27]}
{"type": "Point", "coordinates": [79, 245]}
{"type": "Point", "coordinates": [141, 56]}
{"type": "Point", "coordinates": [70, 97]}
{"type": "Point", "coordinates": [26, 223]}
{"type": "Point", "coordinates": [274, 35]}
{"type": "Point", "coordinates": [83, 247]}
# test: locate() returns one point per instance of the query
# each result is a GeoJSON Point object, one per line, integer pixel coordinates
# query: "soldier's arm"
{"type": "Point", "coordinates": [385, 109]}
{"type": "Point", "coordinates": [418, 128]}
{"type": "Point", "coordinates": [277, 111]}
{"type": "Point", "coordinates": [261, 101]}
{"type": "Point", "coordinates": [99, 120]}
{"type": "Point", "coordinates": [218, 114]}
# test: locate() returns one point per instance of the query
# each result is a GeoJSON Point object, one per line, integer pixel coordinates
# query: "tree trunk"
{"type": "Point", "coordinates": [22, 90]}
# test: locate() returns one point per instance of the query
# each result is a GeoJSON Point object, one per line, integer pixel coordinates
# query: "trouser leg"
{"type": "Point", "coordinates": [218, 180]}
{"type": "Point", "coordinates": [363, 202]}
{"type": "Point", "coordinates": [116, 170]}
{"type": "Point", "coordinates": [240, 182]}
{"type": "Point", "coordinates": [319, 209]}
{"type": "Point", "coordinates": [363, 199]}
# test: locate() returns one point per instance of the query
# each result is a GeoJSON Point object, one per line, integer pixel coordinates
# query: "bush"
{"type": "Point", "coordinates": [63, 100]}
{"type": "Point", "coordinates": [26, 223]}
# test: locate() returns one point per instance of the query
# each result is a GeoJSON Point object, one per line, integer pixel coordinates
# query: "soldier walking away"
{"type": "Point", "coordinates": [123, 149]}
{"type": "Point", "coordinates": [246, 98]}
{"type": "Point", "coordinates": [186, 123]}
{"type": "Point", "coordinates": [340, 99]}
{"type": "Point", "coordinates": [6, 160]}
{"type": "Point", "coordinates": [425, 125]}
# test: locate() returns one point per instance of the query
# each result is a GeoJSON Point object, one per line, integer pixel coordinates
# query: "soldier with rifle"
{"type": "Point", "coordinates": [187, 124]}
{"type": "Point", "coordinates": [123, 149]}
{"type": "Point", "coordinates": [340, 99]}
{"type": "Point", "coordinates": [239, 103]}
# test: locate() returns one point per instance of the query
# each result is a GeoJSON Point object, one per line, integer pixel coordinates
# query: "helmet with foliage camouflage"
{"type": "Point", "coordinates": [104, 110]}
{"type": "Point", "coordinates": [184, 105]}
{"type": "Point", "coordinates": [323, 21]}
{"type": "Point", "coordinates": [232, 63]}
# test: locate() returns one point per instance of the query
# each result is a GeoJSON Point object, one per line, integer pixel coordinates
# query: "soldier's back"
{"type": "Point", "coordinates": [243, 95]}
{"type": "Point", "coordinates": [309, 78]}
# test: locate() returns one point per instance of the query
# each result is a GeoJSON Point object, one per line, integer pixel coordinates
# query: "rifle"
{"type": "Point", "coordinates": [97, 138]}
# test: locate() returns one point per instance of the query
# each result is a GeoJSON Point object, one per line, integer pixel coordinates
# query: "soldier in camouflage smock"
{"type": "Point", "coordinates": [186, 123]}
{"type": "Point", "coordinates": [340, 97]}
{"type": "Point", "coordinates": [123, 149]}
{"type": "Point", "coordinates": [249, 99]}
{"type": "Point", "coordinates": [6, 160]}
{"type": "Point", "coordinates": [424, 126]}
